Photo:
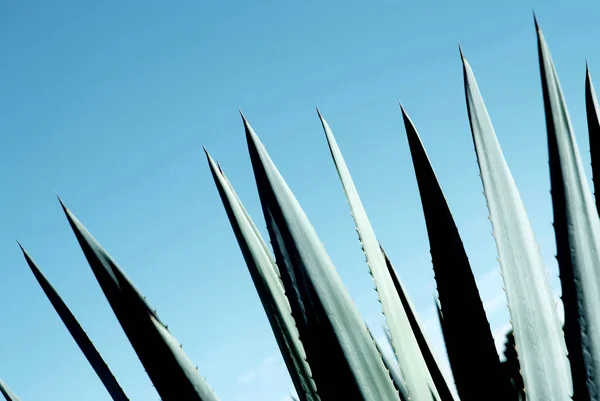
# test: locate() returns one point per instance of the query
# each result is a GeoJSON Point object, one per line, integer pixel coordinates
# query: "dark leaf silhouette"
{"type": "Point", "coordinates": [169, 368]}
{"type": "Point", "coordinates": [80, 337]}
{"type": "Point", "coordinates": [476, 374]}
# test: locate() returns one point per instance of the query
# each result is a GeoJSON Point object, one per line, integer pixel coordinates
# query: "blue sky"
{"type": "Point", "coordinates": [108, 104]}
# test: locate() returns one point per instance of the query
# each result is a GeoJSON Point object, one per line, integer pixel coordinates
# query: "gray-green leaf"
{"type": "Point", "coordinates": [410, 360]}
{"type": "Point", "coordinates": [350, 364]}
{"type": "Point", "coordinates": [577, 231]}
{"type": "Point", "coordinates": [534, 317]}
{"type": "Point", "coordinates": [268, 285]}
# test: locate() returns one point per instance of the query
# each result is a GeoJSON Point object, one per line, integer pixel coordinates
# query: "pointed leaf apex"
{"type": "Point", "coordinates": [242, 115]}
{"type": "Point", "coordinates": [535, 21]}
{"type": "Point", "coordinates": [408, 124]}
{"type": "Point", "coordinates": [208, 156]}
{"type": "Point", "coordinates": [404, 115]}
{"type": "Point", "coordinates": [36, 271]}
{"type": "Point", "coordinates": [251, 137]}
{"type": "Point", "coordinates": [465, 64]}
{"type": "Point", "coordinates": [212, 165]}
{"type": "Point", "coordinates": [587, 69]}
{"type": "Point", "coordinates": [320, 116]}
{"type": "Point", "coordinates": [247, 127]}
{"type": "Point", "coordinates": [462, 55]}
{"type": "Point", "coordinates": [62, 204]}
{"type": "Point", "coordinates": [28, 259]}
{"type": "Point", "coordinates": [323, 123]}
{"type": "Point", "coordinates": [25, 254]}
{"type": "Point", "coordinates": [70, 217]}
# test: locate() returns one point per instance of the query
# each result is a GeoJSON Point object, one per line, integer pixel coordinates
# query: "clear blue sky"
{"type": "Point", "coordinates": [108, 103]}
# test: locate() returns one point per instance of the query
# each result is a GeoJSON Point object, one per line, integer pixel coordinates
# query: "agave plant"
{"type": "Point", "coordinates": [329, 351]}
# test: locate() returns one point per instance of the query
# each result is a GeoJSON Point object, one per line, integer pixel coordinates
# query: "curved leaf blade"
{"type": "Point", "coordinates": [577, 231]}
{"type": "Point", "coordinates": [7, 393]}
{"type": "Point", "coordinates": [81, 338]}
{"type": "Point", "coordinates": [410, 361]}
{"type": "Point", "coordinates": [534, 317]}
{"type": "Point", "coordinates": [171, 371]}
{"type": "Point", "coordinates": [268, 285]}
{"type": "Point", "coordinates": [343, 358]}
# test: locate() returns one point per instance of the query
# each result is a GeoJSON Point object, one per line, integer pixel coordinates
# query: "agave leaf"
{"type": "Point", "coordinates": [533, 312]}
{"type": "Point", "coordinates": [411, 362]}
{"type": "Point", "coordinates": [392, 368]}
{"type": "Point", "coordinates": [259, 237]}
{"type": "Point", "coordinates": [577, 231]}
{"type": "Point", "coordinates": [9, 395]}
{"type": "Point", "coordinates": [80, 337]}
{"type": "Point", "coordinates": [440, 382]}
{"type": "Point", "coordinates": [343, 358]}
{"type": "Point", "coordinates": [591, 103]}
{"type": "Point", "coordinates": [475, 373]}
{"type": "Point", "coordinates": [169, 368]}
{"type": "Point", "coordinates": [268, 285]}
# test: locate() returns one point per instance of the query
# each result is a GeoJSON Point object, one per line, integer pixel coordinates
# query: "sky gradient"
{"type": "Point", "coordinates": [109, 104]}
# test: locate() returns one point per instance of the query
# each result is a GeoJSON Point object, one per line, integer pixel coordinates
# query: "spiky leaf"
{"type": "Point", "coordinates": [392, 367]}
{"type": "Point", "coordinates": [475, 373]}
{"type": "Point", "coordinates": [433, 365]}
{"type": "Point", "coordinates": [77, 332]}
{"type": "Point", "coordinates": [343, 358]}
{"type": "Point", "coordinates": [411, 363]}
{"type": "Point", "coordinates": [268, 285]}
{"type": "Point", "coordinates": [534, 317]}
{"type": "Point", "coordinates": [577, 231]}
{"type": "Point", "coordinates": [169, 368]}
